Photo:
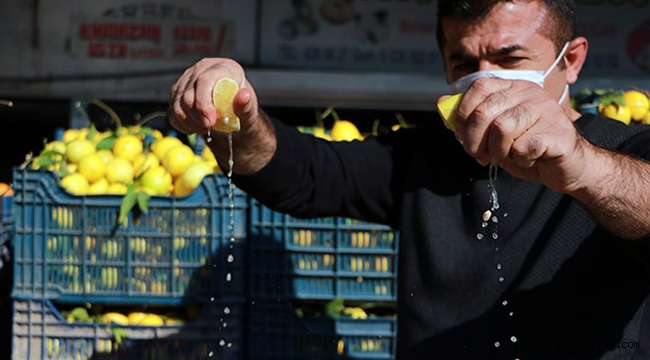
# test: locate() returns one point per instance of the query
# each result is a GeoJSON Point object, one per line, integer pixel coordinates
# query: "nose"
{"type": "Point", "coordinates": [484, 65]}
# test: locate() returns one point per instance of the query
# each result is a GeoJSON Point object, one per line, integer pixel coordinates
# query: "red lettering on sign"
{"type": "Point", "coordinates": [118, 31]}
{"type": "Point", "coordinates": [203, 33]}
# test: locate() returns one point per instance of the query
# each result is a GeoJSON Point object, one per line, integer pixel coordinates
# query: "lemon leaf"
{"type": "Point", "coordinates": [106, 143]}
{"type": "Point", "coordinates": [143, 201]}
{"type": "Point", "coordinates": [118, 333]}
{"type": "Point", "coordinates": [128, 202]}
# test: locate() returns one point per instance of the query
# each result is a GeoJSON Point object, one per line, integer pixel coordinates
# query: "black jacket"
{"type": "Point", "coordinates": [538, 280]}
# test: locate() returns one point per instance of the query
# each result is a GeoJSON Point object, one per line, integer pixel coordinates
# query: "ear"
{"type": "Point", "coordinates": [575, 58]}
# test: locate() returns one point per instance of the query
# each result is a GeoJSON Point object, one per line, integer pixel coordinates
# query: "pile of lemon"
{"type": "Point", "coordinates": [92, 162]}
{"type": "Point", "coordinates": [629, 106]}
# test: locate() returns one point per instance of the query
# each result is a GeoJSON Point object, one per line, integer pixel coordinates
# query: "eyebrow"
{"type": "Point", "coordinates": [464, 56]}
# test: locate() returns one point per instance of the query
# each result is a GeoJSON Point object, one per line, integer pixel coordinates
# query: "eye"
{"type": "Point", "coordinates": [510, 61]}
{"type": "Point", "coordinates": [463, 68]}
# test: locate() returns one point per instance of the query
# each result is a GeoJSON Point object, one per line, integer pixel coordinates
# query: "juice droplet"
{"type": "Point", "coordinates": [504, 303]}
{"type": "Point", "coordinates": [479, 236]}
{"type": "Point", "coordinates": [231, 258]}
{"type": "Point", "coordinates": [495, 235]}
{"type": "Point", "coordinates": [499, 267]}
{"type": "Point", "coordinates": [222, 342]}
{"type": "Point", "coordinates": [513, 339]}
{"type": "Point", "coordinates": [209, 139]}
{"type": "Point", "coordinates": [511, 313]}
{"type": "Point", "coordinates": [228, 277]}
{"type": "Point", "coordinates": [497, 344]}
{"type": "Point", "coordinates": [226, 310]}
{"type": "Point", "coordinates": [501, 279]}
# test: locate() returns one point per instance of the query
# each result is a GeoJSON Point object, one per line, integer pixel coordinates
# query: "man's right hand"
{"type": "Point", "coordinates": [191, 111]}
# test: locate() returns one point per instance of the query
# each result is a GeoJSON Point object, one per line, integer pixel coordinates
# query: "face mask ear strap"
{"type": "Point", "coordinates": [557, 60]}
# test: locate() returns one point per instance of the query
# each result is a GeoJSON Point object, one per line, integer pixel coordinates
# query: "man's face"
{"type": "Point", "coordinates": [510, 37]}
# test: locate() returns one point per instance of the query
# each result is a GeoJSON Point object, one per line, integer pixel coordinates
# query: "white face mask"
{"type": "Point", "coordinates": [536, 76]}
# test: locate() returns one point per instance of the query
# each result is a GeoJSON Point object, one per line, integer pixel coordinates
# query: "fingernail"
{"type": "Point", "coordinates": [206, 122]}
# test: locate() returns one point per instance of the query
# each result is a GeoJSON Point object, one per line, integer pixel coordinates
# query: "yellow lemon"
{"type": "Point", "coordinates": [119, 170]}
{"type": "Point", "coordinates": [160, 147]}
{"type": "Point", "coordinates": [638, 103]}
{"type": "Point", "coordinates": [177, 159]}
{"type": "Point", "coordinates": [99, 187]}
{"type": "Point", "coordinates": [208, 156]}
{"type": "Point", "coordinates": [115, 318]}
{"type": "Point", "coordinates": [116, 189]}
{"type": "Point", "coordinates": [56, 146]}
{"type": "Point", "coordinates": [223, 94]}
{"type": "Point", "coordinates": [136, 317]}
{"type": "Point", "coordinates": [156, 181]}
{"type": "Point", "coordinates": [192, 177]}
{"type": "Point", "coordinates": [128, 146]}
{"type": "Point", "coordinates": [447, 110]}
{"type": "Point", "coordinates": [144, 162]}
{"type": "Point", "coordinates": [75, 183]}
{"type": "Point", "coordinates": [106, 155]}
{"type": "Point", "coordinates": [617, 112]}
{"type": "Point", "coordinates": [344, 130]}
{"type": "Point", "coordinates": [92, 167]}
{"type": "Point", "coordinates": [74, 134]}
{"type": "Point", "coordinates": [78, 149]}
{"type": "Point", "coordinates": [152, 320]}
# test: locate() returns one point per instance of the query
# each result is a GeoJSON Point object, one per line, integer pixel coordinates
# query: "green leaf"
{"type": "Point", "coordinates": [80, 314]}
{"type": "Point", "coordinates": [118, 333]}
{"type": "Point", "coordinates": [128, 202]}
{"type": "Point", "coordinates": [143, 201]}
{"type": "Point", "coordinates": [334, 308]}
{"type": "Point", "coordinates": [106, 143]}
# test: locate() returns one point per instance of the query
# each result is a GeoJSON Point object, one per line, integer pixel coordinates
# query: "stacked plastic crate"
{"type": "Point", "coordinates": [182, 258]}
{"type": "Point", "coordinates": [303, 276]}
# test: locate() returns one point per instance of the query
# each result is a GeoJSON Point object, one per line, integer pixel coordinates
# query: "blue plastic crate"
{"type": "Point", "coordinates": [69, 248]}
{"type": "Point", "coordinates": [279, 331]}
{"type": "Point", "coordinates": [6, 232]}
{"type": "Point", "coordinates": [321, 258]}
{"type": "Point", "coordinates": [41, 332]}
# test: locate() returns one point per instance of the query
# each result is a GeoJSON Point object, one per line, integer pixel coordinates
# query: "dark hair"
{"type": "Point", "coordinates": [561, 29]}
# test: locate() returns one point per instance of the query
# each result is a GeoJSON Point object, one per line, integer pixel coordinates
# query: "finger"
{"type": "Point", "coordinates": [506, 127]}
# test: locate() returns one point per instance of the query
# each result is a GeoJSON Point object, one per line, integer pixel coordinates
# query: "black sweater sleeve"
{"type": "Point", "coordinates": [311, 177]}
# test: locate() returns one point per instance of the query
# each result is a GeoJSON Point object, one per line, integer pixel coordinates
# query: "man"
{"type": "Point", "coordinates": [543, 260]}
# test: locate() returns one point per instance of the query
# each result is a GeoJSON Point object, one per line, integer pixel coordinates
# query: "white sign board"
{"type": "Point", "coordinates": [368, 35]}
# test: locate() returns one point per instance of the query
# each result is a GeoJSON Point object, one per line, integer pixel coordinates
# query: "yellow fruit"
{"type": "Point", "coordinates": [177, 159]}
{"type": "Point", "coordinates": [156, 181]}
{"type": "Point", "coordinates": [320, 132]}
{"type": "Point", "coordinates": [223, 94]}
{"type": "Point", "coordinates": [447, 110]}
{"type": "Point", "coordinates": [115, 318]}
{"type": "Point", "coordinates": [78, 149]}
{"type": "Point", "coordinates": [116, 189]}
{"type": "Point", "coordinates": [98, 187]}
{"type": "Point", "coordinates": [152, 320]}
{"type": "Point", "coordinates": [617, 112]}
{"type": "Point", "coordinates": [120, 170]}
{"type": "Point", "coordinates": [56, 146]}
{"type": "Point", "coordinates": [208, 156]}
{"type": "Point", "coordinates": [106, 155]}
{"type": "Point", "coordinates": [136, 317]}
{"type": "Point", "coordinates": [638, 103]}
{"type": "Point", "coordinates": [92, 167]}
{"type": "Point", "coordinates": [74, 134]}
{"type": "Point", "coordinates": [344, 130]}
{"type": "Point", "coordinates": [646, 119]}
{"type": "Point", "coordinates": [75, 183]}
{"type": "Point", "coordinates": [192, 177]}
{"type": "Point", "coordinates": [144, 162]}
{"type": "Point", "coordinates": [160, 147]}
{"type": "Point", "coordinates": [127, 146]}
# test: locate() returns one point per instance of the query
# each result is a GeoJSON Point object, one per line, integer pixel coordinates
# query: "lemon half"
{"type": "Point", "coordinates": [223, 94]}
{"type": "Point", "coordinates": [447, 110]}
